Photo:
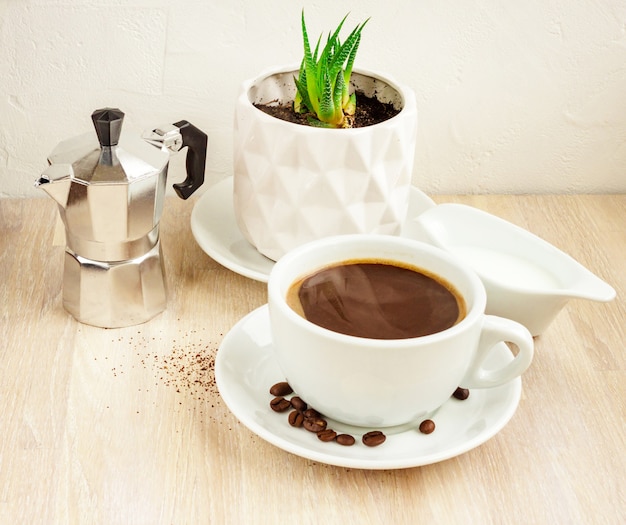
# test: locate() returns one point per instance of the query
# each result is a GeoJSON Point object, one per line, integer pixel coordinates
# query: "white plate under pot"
{"type": "Point", "coordinates": [214, 227]}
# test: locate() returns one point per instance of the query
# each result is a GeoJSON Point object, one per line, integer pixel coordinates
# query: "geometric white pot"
{"type": "Point", "coordinates": [295, 183]}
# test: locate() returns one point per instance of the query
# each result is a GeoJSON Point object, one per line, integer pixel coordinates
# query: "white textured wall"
{"type": "Point", "coordinates": [513, 96]}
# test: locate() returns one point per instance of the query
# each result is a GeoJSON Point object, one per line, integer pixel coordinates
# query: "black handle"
{"type": "Point", "coordinates": [196, 141]}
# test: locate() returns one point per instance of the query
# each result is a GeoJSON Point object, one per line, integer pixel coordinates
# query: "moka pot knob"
{"type": "Point", "coordinates": [108, 124]}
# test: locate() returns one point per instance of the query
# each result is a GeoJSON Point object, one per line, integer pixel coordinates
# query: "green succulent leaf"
{"type": "Point", "coordinates": [349, 108]}
{"type": "Point", "coordinates": [301, 102]}
{"type": "Point", "coordinates": [326, 112]}
{"type": "Point", "coordinates": [323, 83]}
{"type": "Point", "coordinates": [316, 123]}
{"type": "Point", "coordinates": [338, 99]}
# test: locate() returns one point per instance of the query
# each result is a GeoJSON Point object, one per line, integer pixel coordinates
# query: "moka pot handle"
{"type": "Point", "coordinates": [196, 142]}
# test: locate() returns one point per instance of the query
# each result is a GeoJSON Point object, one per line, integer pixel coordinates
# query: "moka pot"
{"type": "Point", "coordinates": [110, 189]}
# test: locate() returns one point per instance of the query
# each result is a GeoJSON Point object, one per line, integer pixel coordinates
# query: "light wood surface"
{"type": "Point", "coordinates": [125, 426]}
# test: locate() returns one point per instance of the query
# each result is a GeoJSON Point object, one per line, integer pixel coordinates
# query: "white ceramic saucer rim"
{"type": "Point", "coordinates": [247, 397]}
{"type": "Point", "coordinates": [213, 220]}
{"type": "Point", "coordinates": [214, 226]}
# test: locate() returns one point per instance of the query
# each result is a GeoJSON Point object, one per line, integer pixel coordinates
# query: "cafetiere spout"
{"type": "Point", "coordinates": [56, 181]}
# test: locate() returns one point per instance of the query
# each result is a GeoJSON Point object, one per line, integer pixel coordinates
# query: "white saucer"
{"type": "Point", "coordinates": [245, 369]}
{"type": "Point", "coordinates": [215, 229]}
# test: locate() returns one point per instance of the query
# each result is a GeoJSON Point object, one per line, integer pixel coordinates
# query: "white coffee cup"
{"type": "Point", "coordinates": [378, 383]}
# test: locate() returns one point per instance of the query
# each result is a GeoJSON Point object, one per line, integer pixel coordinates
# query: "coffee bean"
{"type": "Point", "coordinates": [298, 404]}
{"type": "Point", "coordinates": [374, 438]}
{"type": "Point", "coordinates": [279, 404]}
{"type": "Point", "coordinates": [326, 435]}
{"type": "Point", "coordinates": [427, 426]}
{"type": "Point", "coordinates": [314, 424]}
{"type": "Point", "coordinates": [312, 420]}
{"type": "Point", "coordinates": [461, 393]}
{"type": "Point", "coordinates": [311, 413]}
{"type": "Point", "coordinates": [281, 389]}
{"type": "Point", "coordinates": [345, 439]}
{"type": "Point", "coordinates": [296, 418]}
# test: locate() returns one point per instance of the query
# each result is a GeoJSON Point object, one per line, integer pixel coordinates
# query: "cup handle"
{"type": "Point", "coordinates": [495, 330]}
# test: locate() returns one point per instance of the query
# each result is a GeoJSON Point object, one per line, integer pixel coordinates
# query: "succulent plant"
{"type": "Point", "coordinates": [323, 83]}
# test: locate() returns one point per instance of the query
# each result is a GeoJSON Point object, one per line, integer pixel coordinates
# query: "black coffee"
{"type": "Point", "coordinates": [377, 300]}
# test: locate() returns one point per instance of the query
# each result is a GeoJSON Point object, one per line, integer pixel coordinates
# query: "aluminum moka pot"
{"type": "Point", "coordinates": [110, 189]}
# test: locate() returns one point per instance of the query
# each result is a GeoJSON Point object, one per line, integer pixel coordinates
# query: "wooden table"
{"type": "Point", "coordinates": [125, 426]}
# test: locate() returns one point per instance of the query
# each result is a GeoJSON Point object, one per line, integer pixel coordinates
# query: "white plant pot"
{"type": "Point", "coordinates": [295, 183]}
